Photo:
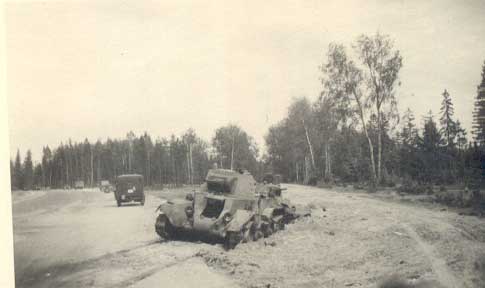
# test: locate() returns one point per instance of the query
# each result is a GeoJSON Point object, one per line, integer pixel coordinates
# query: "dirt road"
{"type": "Point", "coordinates": [79, 238]}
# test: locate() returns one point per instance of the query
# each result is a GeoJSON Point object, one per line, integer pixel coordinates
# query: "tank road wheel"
{"type": "Point", "coordinates": [232, 239]}
{"type": "Point", "coordinates": [279, 226]}
{"type": "Point", "coordinates": [258, 234]}
{"type": "Point", "coordinates": [267, 229]}
{"type": "Point", "coordinates": [163, 227]}
{"type": "Point", "coordinates": [246, 235]}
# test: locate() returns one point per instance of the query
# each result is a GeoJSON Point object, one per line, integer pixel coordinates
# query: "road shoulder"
{"type": "Point", "coordinates": [192, 273]}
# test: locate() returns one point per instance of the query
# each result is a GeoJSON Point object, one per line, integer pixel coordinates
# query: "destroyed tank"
{"type": "Point", "coordinates": [230, 206]}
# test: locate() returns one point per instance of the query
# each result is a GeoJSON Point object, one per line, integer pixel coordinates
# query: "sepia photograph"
{"type": "Point", "coordinates": [243, 144]}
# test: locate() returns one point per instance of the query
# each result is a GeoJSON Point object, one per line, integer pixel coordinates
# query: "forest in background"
{"type": "Point", "coordinates": [174, 161]}
{"type": "Point", "coordinates": [352, 133]}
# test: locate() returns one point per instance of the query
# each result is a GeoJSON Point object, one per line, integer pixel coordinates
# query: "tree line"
{"type": "Point", "coordinates": [174, 161]}
{"type": "Point", "coordinates": [353, 132]}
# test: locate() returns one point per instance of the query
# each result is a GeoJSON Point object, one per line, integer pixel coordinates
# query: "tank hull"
{"type": "Point", "coordinates": [230, 206]}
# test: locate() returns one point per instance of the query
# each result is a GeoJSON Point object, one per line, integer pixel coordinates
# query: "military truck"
{"type": "Point", "coordinates": [79, 184]}
{"type": "Point", "coordinates": [230, 206]}
{"type": "Point", "coordinates": [105, 186]}
{"type": "Point", "coordinates": [271, 178]}
{"type": "Point", "coordinates": [129, 188]}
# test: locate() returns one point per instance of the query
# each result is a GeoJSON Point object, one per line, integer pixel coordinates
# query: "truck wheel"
{"type": "Point", "coordinates": [118, 203]}
{"type": "Point", "coordinates": [142, 202]}
{"type": "Point", "coordinates": [163, 227]}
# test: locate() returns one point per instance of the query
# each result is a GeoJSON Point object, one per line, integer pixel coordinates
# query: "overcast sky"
{"type": "Point", "coordinates": [98, 69]}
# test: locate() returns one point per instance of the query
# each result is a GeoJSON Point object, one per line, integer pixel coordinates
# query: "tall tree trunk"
{"type": "Point", "coordinates": [379, 144]}
{"type": "Point", "coordinates": [43, 177]}
{"type": "Point", "coordinates": [149, 174]}
{"type": "Point", "coordinates": [232, 153]}
{"type": "Point", "coordinates": [92, 168]}
{"type": "Point", "coordinates": [67, 173]}
{"type": "Point", "coordinates": [98, 169]}
{"type": "Point", "coordinates": [328, 163]}
{"type": "Point", "coordinates": [325, 174]}
{"type": "Point", "coordinates": [129, 161]}
{"type": "Point", "coordinates": [296, 169]}
{"type": "Point", "coordinates": [191, 165]}
{"type": "Point", "coordinates": [188, 164]}
{"type": "Point", "coordinates": [174, 170]}
{"type": "Point", "coordinates": [161, 166]}
{"type": "Point", "coordinates": [369, 141]}
{"type": "Point", "coordinates": [308, 171]}
{"type": "Point", "coordinates": [309, 143]}
{"type": "Point", "coordinates": [122, 165]}
{"type": "Point", "coordinates": [371, 152]}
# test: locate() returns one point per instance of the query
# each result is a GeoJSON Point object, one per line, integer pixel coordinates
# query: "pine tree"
{"type": "Point", "coordinates": [28, 169]}
{"type": "Point", "coordinates": [429, 146]}
{"type": "Point", "coordinates": [448, 125]}
{"type": "Point", "coordinates": [37, 175]}
{"type": "Point", "coordinates": [17, 173]}
{"type": "Point", "coordinates": [46, 166]}
{"type": "Point", "coordinates": [461, 133]}
{"type": "Point", "coordinates": [409, 132]}
{"type": "Point", "coordinates": [12, 176]}
{"type": "Point", "coordinates": [408, 138]}
{"type": "Point", "coordinates": [479, 112]}
{"type": "Point", "coordinates": [432, 138]}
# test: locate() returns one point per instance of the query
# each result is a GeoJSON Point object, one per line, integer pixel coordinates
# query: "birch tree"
{"type": "Point", "coordinates": [344, 83]}
{"type": "Point", "coordinates": [382, 65]}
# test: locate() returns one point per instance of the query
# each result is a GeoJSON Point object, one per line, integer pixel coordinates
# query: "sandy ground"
{"type": "Point", "coordinates": [79, 238]}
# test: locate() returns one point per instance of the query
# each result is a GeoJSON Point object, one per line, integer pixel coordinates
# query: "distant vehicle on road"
{"type": "Point", "coordinates": [129, 188]}
{"type": "Point", "coordinates": [270, 178]}
{"type": "Point", "coordinates": [79, 184]}
{"type": "Point", "coordinates": [105, 186]}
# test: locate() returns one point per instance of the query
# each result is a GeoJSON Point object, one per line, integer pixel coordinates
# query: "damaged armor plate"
{"type": "Point", "coordinates": [230, 206]}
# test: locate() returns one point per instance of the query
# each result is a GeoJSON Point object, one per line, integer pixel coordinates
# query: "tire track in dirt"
{"type": "Point", "coordinates": [36, 279]}
{"type": "Point", "coordinates": [29, 197]}
{"type": "Point", "coordinates": [149, 272]}
{"type": "Point", "coordinates": [440, 268]}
